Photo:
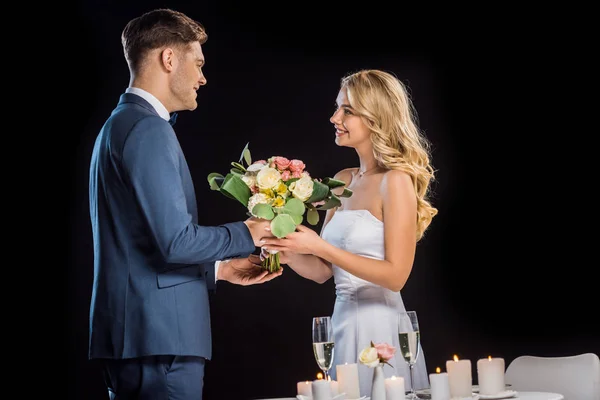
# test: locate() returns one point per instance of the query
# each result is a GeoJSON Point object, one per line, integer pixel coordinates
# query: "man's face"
{"type": "Point", "coordinates": [188, 77]}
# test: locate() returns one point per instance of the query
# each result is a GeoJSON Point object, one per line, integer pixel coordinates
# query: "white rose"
{"type": "Point", "coordinates": [255, 167]}
{"type": "Point", "coordinates": [249, 180]}
{"type": "Point", "coordinates": [302, 188]}
{"type": "Point", "coordinates": [369, 357]}
{"type": "Point", "coordinates": [258, 198]}
{"type": "Point", "coordinates": [268, 178]}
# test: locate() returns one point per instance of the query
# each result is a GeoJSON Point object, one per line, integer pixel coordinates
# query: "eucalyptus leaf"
{"type": "Point", "coordinates": [282, 225]}
{"type": "Point", "coordinates": [333, 183]}
{"type": "Point", "coordinates": [320, 192]}
{"type": "Point", "coordinates": [262, 210]}
{"type": "Point", "coordinates": [312, 217]}
{"type": "Point", "coordinates": [297, 218]}
{"type": "Point", "coordinates": [294, 206]}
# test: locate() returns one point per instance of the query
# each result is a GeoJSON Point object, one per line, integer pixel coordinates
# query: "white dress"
{"type": "Point", "coordinates": [363, 311]}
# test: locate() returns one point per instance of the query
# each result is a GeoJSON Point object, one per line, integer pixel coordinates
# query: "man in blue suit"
{"type": "Point", "coordinates": [153, 263]}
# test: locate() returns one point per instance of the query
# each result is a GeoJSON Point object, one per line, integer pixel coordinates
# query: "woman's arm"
{"type": "Point", "coordinates": [310, 266]}
{"type": "Point", "coordinates": [400, 216]}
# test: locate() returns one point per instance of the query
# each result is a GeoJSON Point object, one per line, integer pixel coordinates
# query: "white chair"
{"type": "Point", "coordinates": [576, 377]}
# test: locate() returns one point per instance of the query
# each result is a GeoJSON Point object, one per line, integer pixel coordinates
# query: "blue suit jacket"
{"type": "Point", "coordinates": [150, 288]}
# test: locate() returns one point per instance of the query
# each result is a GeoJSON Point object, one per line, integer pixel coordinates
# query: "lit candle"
{"type": "Point", "coordinates": [304, 388]}
{"type": "Point", "coordinates": [321, 390]}
{"type": "Point", "coordinates": [334, 386]}
{"type": "Point", "coordinates": [490, 375]}
{"type": "Point", "coordinates": [460, 379]}
{"type": "Point", "coordinates": [394, 388]}
{"type": "Point", "coordinates": [440, 387]}
{"type": "Point", "coordinates": [347, 376]}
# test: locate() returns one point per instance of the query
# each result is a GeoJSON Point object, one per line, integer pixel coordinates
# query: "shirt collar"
{"type": "Point", "coordinates": [158, 106]}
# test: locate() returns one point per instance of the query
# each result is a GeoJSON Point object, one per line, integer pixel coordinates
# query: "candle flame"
{"type": "Point", "coordinates": [319, 376]}
{"type": "Point", "coordinates": [438, 370]}
{"type": "Point", "coordinates": [307, 382]}
{"type": "Point", "coordinates": [393, 377]}
{"type": "Point", "coordinates": [490, 358]}
{"type": "Point", "coordinates": [455, 357]}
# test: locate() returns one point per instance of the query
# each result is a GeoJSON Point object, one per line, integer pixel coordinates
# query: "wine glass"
{"type": "Point", "coordinates": [323, 344]}
{"type": "Point", "coordinates": [409, 337]}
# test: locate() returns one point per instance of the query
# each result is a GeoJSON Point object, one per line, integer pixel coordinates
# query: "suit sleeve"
{"type": "Point", "coordinates": [152, 160]}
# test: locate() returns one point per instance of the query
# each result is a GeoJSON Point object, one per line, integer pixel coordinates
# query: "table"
{"type": "Point", "coordinates": [519, 396]}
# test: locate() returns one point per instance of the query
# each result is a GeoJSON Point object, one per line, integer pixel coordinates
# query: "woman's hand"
{"type": "Point", "coordinates": [303, 241]}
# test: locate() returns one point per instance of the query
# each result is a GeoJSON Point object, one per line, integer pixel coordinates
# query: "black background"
{"type": "Point", "coordinates": [507, 267]}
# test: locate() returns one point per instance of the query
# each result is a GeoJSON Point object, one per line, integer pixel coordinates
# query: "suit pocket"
{"type": "Point", "coordinates": [178, 276]}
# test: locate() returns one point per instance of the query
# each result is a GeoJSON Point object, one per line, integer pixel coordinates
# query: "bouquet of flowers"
{"type": "Point", "coordinates": [375, 354]}
{"type": "Point", "coordinates": [278, 189]}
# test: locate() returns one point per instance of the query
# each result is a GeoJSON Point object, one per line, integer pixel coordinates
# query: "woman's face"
{"type": "Point", "coordinates": [350, 130]}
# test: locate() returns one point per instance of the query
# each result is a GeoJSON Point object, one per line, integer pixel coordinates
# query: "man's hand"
{"type": "Point", "coordinates": [259, 229]}
{"type": "Point", "coordinates": [245, 271]}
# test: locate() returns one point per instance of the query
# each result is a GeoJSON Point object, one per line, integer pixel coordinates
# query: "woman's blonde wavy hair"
{"type": "Point", "coordinates": [385, 106]}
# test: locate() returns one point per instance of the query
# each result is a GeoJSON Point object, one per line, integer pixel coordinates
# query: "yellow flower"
{"type": "Point", "coordinates": [278, 202]}
{"type": "Point", "coordinates": [282, 189]}
{"type": "Point", "coordinates": [268, 192]}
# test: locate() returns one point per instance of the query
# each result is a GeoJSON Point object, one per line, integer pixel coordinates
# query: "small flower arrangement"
{"type": "Point", "coordinates": [376, 354]}
{"type": "Point", "coordinates": [278, 189]}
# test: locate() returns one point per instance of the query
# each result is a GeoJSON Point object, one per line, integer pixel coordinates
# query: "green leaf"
{"type": "Point", "coordinates": [262, 210]}
{"type": "Point", "coordinates": [282, 225]}
{"type": "Point", "coordinates": [320, 192]}
{"type": "Point", "coordinates": [294, 206]}
{"type": "Point", "coordinates": [332, 202]}
{"type": "Point", "coordinates": [215, 180]}
{"type": "Point", "coordinates": [312, 217]}
{"type": "Point", "coordinates": [237, 171]}
{"type": "Point", "coordinates": [289, 181]}
{"type": "Point", "coordinates": [235, 187]}
{"type": "Point", "coordinates": [239, 166]}
{"type": "Point", "coordinates": [346, 193]}
{"type": "Point", "coordinates": [333, 183]}
{"type": "Point", "coordinates": [243, 155]}
{"type": "Point", "coordinates": [247, 157]}
{"type": "Point", "coordinates": [297, 218]}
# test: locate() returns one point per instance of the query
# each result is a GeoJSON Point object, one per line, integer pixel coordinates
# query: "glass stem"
{"type": "Point", "coordinates": [412, 380]}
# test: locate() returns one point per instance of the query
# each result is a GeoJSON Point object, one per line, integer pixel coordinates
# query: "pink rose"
{"type": "Point", "coordinates": [297, 174]}
{"type": "Point", "coordinates": [281, 162]}
{"type": "Point", "coordinates": [285, 175]}
{"type": "Point", "coordinates": [385, 351]}
{"type": "Point", "coordinates": [296, 166]}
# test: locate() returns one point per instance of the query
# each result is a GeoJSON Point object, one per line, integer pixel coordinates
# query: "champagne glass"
{"type": "Point", "coordinates": [409, 337]}
{"type": "Point", "coordinates": [323, 344]}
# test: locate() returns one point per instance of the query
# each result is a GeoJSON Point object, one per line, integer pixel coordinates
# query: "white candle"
{"type": "Point", "coordinates": [335, 387]}
{"type": "Point", "coordinates": [394, 388]}
{"type": "Point", "coordinates": [440, 387]}
{"type": "Point", "coordinates": [490, 375]}
{"type": "Point", "coordinates": [304, 388]}
{"type": "Point", "coordinates": [321, 390]}
{"type": "Point", "coordinates": [460, 379]}
{"type": "Point", "coordinates": [347, 376]}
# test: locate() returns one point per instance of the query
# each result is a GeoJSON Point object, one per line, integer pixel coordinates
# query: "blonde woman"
{"type": "Point", "coordinates": [368, 243]}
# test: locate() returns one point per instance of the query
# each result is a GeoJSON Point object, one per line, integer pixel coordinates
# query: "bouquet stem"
{"type": "Point", "coordinates": [271, 262]}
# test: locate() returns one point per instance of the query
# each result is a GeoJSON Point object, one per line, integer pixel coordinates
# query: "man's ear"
{"type": "Point", "coordinates": [168, 59]}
